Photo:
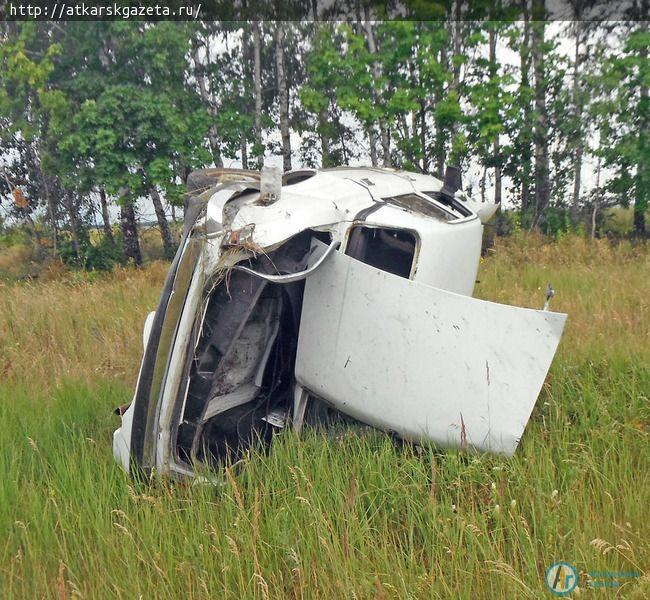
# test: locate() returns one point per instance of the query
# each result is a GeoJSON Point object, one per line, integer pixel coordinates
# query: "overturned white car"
{"type": "Point", "coordinates": [337, 294]}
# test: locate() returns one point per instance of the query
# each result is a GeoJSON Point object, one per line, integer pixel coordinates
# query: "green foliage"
{"type": "Point", "coordinates": [102, 255]}
{"type": "Point", "coordinates": [493, 103]}
{"type": "Point", "coordinates": [102, 105]}
{"type": "Point", "coordinates": [396, 81]}
{"type": "Point", "coordinates": [144, 127]}
{"type": "Point", "coordinates": [320, 92]}
{"type": "Point", "coordinates": [624, 114]}
{"type": "Point", "coordinates": [556, 221]}
{"type": "Point", "coordinates": [14, 236]}
{"type": "Point", "coordinates": [130, 107]}
{"type": "Point", "coordinates": [136, 138]}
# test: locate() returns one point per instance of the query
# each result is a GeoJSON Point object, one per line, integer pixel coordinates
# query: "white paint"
{"type": "Point", "coordinates": [449, 253]}
{"type": "Point", "coordinates": [319, 201]}
{"type": "Point", "coordinates": [122, 439]}
{"type": "Point", "coordinates": [146, 330]}
{"type": "Point", "coordinates": [411, 358]}
{"type": "Point", "coordinates": [329, 199]}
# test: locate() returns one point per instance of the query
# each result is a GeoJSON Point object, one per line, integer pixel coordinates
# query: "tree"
{"type": "Point", "coordinates": [624, 116]}
{"type": "Point", "coordinates": [257, 85]}
{"type": "Point", "coordinates": [540, 131]}
{"type": "Point", "coordinates": [354, 82]}
{"type": "Point", "coordinates": [322, 117]}
{"type": "Point", "coordinates": [27, 57]}
{"type": "Point", "coordinates": [283, 94]}
{"type": "Point", "coordinates": [144, 128]}
{"type": "Point", "coordinates": [520, 129]}
{"type": "Point", "coordinates": [492, 109]}
{"type": "Point", "coordinates": [585, 36]}
{"type": "Point", "coordinates": [202, 60]}
{"type": "Point", "coordinates": [100, 113]}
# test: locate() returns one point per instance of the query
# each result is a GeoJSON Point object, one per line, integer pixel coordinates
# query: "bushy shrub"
{"type": "Point", "coordinates": [13, 236]}
{"type": "Point", "coordinates": [556, 221]}
{"type": "Point", "coordinates": [100, 256]}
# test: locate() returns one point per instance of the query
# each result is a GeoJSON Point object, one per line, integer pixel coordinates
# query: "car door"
{"type": "Point", "coordinates": [428, 364]}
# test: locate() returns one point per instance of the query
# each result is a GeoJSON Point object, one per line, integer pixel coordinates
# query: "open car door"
{"type": "Point", "coordinates": [427, 364]}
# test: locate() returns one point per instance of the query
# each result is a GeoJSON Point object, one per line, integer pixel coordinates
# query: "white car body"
{"type": "Point", "coordinates": [349, 294]}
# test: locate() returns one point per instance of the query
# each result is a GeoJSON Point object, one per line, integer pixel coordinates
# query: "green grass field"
{"type": "Point", "coordinates": [353, 517]}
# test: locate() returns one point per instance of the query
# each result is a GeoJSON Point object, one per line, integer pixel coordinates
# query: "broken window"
{"type": "Point", "coordinates": [391, 250]}
{"type": "Point", "coordinates": [447, 209]}
{"type": "Point", "coordinates": [450, 202]}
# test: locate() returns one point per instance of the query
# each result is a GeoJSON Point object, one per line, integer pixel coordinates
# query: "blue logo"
{"type": "Point", "coordinates": [561, 578]}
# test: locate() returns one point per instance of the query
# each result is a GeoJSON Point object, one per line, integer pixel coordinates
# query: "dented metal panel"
{"type": "Point", "coordinates": [423, 362]}
{"type": "Point", "coordinates": [230, 360]}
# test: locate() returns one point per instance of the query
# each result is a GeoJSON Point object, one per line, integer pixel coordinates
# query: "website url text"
{"type": "Point", "coordinates": [62, 11]}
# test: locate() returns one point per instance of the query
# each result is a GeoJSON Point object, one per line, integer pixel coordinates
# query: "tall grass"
{"type": "Point", "coordinates": [81, 326]}
{"type": "Point", "coordinates": [349, 516]}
